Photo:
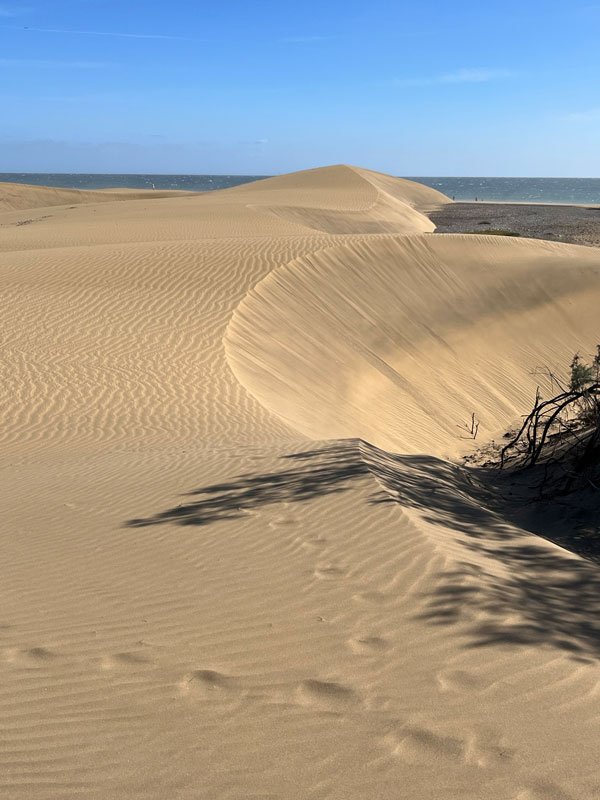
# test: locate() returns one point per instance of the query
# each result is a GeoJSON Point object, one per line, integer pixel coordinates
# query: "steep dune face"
{"type": "Point", "coordinates": [410, 335]}
{"type": "Point", "coordinates": [421, 198]}
{"type": "Point", "coordinates": [344, 199]}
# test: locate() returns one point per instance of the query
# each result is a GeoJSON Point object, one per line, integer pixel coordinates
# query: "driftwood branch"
{"type": "Point", "coordinates": [563, 431]}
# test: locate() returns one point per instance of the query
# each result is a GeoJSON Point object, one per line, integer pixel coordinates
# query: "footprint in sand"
{"type": "Point", "coordinates": [458, 680]}
{"type": "Point", "coordinates": [210, 685]}
{"type": "Point", "coordinates": [207, 683]}
{"type": "Point", "coordinates": [326, 695]}
{"type": "Point", "coordinates": [39, 654]}
{"type": "Point", "coordinates": [416, 745]}
{"type": "Point", "coordinates": [543, 791]}
{"type": "Point", "coordinates": [370, 598]}
{"type": "Point", "coordinates": [368, 644]}
{"type": "Point", "coordinates": [329, 572]}
{"type": "Point", "coordinates": [315, 543]}
{"type": "Point", "coordinates": [29, 657]}
{"type": "Point", "coordinates": [125, 661]}
{"type": "Point", "coordinates": [282, 521]}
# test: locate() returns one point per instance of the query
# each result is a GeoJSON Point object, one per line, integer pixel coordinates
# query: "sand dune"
{"type": "Point", "coordinates": [236, 560]}
{"type": "Point", "coordinates": [410, 325]}
{"type": "Point", "coordinates": [19, 196]}
{"type": "Point", "coordinates": [345, 199]}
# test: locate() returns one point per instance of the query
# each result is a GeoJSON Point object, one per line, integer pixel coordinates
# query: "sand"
{"type": "Point", "coordinates": [18, 196]}
{"type": "Point", "coordinates": [239, 558]}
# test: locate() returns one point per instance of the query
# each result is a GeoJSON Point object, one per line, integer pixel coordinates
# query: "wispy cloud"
{"type": "Point", "coordinates": [305, 39]}
{"type": "Point", "coordinates": [116, 34]}
{"type": "Point", "coordinates": [589, 115]}
{"type": "Point", "coordinates": [48, 64]}
{"type": "Point", "coordinates": [10, 12]}
{"type": "Point", "coordinates": [255, 142]}
{"type": "Point", "coordinates": [475, 75]}
{"type": "Point", "coordinates": [466, 75]}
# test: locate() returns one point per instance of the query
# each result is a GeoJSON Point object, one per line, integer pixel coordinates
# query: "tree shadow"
{"type": "Point", "coordinates": [521, 592]}
{"type": "Point", "coordinates": [315, 473]}
{"type": "Point", "coordinates": [514, 591]}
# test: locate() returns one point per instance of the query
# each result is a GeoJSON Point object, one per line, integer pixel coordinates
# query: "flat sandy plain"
{"type": "Point", "coordinates": [238, 557]}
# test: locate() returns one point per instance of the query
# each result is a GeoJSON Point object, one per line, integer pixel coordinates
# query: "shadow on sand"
{"type": "Point", "coordinates": [530, 594]}
{"type": "Point", "coordinates": [507, 590]}
{"type": "Point", "coordinates": [315, 473]}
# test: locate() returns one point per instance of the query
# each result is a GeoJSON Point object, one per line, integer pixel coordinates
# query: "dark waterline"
{"type": "Point", "coordinates": [188, 183]}
{"type": "Point", "coordinates": [525, 190]}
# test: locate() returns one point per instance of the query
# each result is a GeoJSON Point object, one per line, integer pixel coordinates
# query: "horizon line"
{"type": "Point", "coordinates": [276, 174]}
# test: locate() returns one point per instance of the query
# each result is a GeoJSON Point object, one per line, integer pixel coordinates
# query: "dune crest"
{"type": "Point", "coordinates": [344, 199]}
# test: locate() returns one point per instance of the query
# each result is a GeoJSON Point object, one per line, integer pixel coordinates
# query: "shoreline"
{"type": "Point", "coordinates": [526, 203]}
{"type": "Point", "coordinates": [569, 224]}
{"type": "Point", "coordinates": [543, 191]}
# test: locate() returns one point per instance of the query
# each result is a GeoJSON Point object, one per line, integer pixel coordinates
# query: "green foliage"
{"type": "Point", "coordinates": [583, 374]}
{"type": "Point", "coordinates": [563, 433]}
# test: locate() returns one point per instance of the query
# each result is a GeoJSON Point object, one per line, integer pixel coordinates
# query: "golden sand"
{"type": "Point", "coordinates": [218, 581]}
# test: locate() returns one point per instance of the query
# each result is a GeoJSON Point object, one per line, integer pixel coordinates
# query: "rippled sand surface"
{"type": "Point", "coordinates": [238, 559]}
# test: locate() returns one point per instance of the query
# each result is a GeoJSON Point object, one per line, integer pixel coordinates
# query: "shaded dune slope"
{"type": "Point", "coordinates": [409, 335]}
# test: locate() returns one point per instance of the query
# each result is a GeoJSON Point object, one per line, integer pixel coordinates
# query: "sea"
{"type": "Point", "coordinates": [526, 190]}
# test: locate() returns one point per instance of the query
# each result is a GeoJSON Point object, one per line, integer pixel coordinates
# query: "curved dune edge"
{"type": "Point", "coordinates": [362, 201]}
{"type": "Point", "coordinates": [340, 187]}
{"type": "Point", "coordinates": [388, 339]}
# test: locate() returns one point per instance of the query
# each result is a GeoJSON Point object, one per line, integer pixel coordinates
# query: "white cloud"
{"type": "Point", "coordinates": [117, 34]}
{"type": "Point", "coordinates": [305, 39]}
{"type": "Point", "coordinates": [589, 115]}
{"type": "Point", "coordinates": [475, 75]}
{"type": "Point", "coordinates": [10, 12]}
{"type": "Point", "coordinates": [35, 62]}
{"type": "Point", "coordinates": [465, 75]}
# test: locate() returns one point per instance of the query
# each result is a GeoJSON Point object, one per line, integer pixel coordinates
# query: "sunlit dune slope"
{"type": "Point", "coordinates": [344, 199]}
{"type": "Point", "coordinates": [19, 196]}
{"type": "Point", "coordinates": [334, 200]}
{"type": "Point", "coordinates": [399, 339]}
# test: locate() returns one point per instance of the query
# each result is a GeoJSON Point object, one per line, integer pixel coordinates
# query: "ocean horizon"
{"type": "Point", "coordinates": [571, 191]}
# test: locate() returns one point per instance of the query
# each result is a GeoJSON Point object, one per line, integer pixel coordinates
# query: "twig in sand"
{"type": "Point", "coordinates": [471, 428]}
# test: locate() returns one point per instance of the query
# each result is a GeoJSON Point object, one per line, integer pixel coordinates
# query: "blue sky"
{"type": "Point", "coordinates": [410, 88]}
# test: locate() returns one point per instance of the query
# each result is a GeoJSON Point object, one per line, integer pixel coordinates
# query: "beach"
{"type": "Point", "coordinates": [241, 554]}
{"type": "Point", "coordinates": [574, 224]}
